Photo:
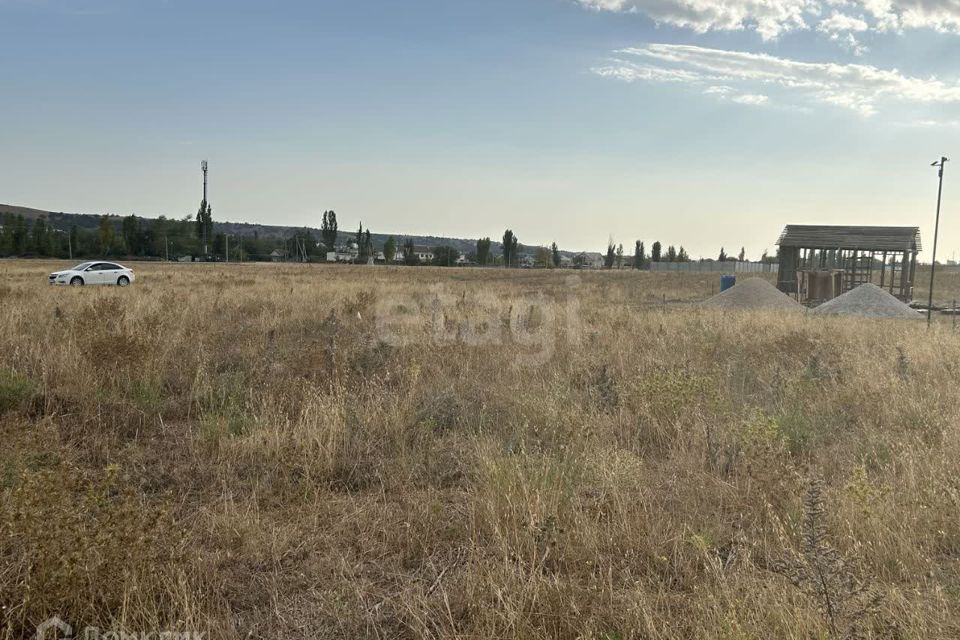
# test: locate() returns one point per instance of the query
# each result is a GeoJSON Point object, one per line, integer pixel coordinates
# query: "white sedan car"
{"type": "Point", "coordinates": [93, 273]}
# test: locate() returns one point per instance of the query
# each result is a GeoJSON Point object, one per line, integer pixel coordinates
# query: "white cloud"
{"type": "Point", "coordinates": [841, 27]}
{"type": "Point", "coordinates": [861, 88]}
{"type": "Point", "coordinates": [623, 70]}
{"type": "Point", "coordinates": [754, 99]}
{"type": "Point", "coordinates": [724, 92]}
{"type": "Point", "coordinates": [941, 15]}
{"type": "Point", "coordinates": [769, 18]}
{"type": "Point", "coordinates": [938, 124]}
{"type": "Point", "coordinates": [718, 90]}
{"type": "Point", "coordinates": [840, 23]}
{"type": "Point", "coordinates": [772, 18]}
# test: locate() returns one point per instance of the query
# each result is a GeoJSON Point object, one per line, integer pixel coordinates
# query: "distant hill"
{"type": "Point", "coordinates": [26, 212]}
{"type": "Point", "coordinates": [63, 221]}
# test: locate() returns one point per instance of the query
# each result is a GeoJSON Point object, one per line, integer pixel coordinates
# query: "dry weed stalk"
{"type": "Point", "coordinates": [821, 572]}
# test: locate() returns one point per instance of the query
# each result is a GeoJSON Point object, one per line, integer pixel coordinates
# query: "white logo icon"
{"type": "Point", "coordinates": [65, 630]}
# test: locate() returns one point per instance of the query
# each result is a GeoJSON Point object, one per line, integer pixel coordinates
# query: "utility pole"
{"type": "Point", "coordinates": [936, 230]}
{"type": "Point", "coordinates": [226, 239]}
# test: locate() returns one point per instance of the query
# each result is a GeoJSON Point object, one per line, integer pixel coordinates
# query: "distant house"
{"type": "Point", "coordinates": [341, 256]}
{"type": "Point", "coordinates": [588, 260]}
{"type": "Point", "coordinates": [424, 254]}
{"type": "Point", "coordinates": [347, 253]}
{"type": "Point", "coordinates": [276, 256]}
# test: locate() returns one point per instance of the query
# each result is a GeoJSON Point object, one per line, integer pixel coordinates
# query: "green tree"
{"type": "Point", "coordinates": [38, 237]}
{"type": "Point", "coordinates": [364, 245]}
{"type": "Point", "coordinates": [219, 244]}
{"type": "Point", "coordinates": [445, 256]}
{"type": "Point", "coordinates": [638, 255]}
{"type": "Point", "coordinates": [682, 255]}
{"type": "Point", "coordinates": [6, 234]}
{"type": "Point", "coordinates": [132, 235]}
{"type": "Point", "coordinates": [390, 249]}
{"type": "Point", "coordinates": [743, 254]}
{"type": "Point", "coordinates": [410, 257]}
{"type": "Point", "coordinates": [483, 251]}
{"type": "Point", "coordinates": [328, 230]}
{"type": "Point", "coordinates": [105, 235]}
{"type": "Point", "coordinates": [204, 225]}
{"type": "Point", "coordinates": [510, 247]}
{"type": "Point", "coordinates": [611, 256]}
{"type": "Point", "coordinates": [620, 256]}
{"type": "Point", "coordinates": [655, 252]}
{"type": "Point", "coordinates": [543, 257]}
{"type": "Point", "coordinates": [671, 254]}
{"type": "Point", "coordinates": [723, 255]}
{"type": "Point", "coordinates": [21, 236]}
{"type": "Point", "coordinates": [555, 254]}
{"type": "Point", "coordinates": [74, 247]}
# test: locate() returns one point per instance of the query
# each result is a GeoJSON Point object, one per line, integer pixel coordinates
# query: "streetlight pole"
{"type": "Point", "coordinates": [936, 230]}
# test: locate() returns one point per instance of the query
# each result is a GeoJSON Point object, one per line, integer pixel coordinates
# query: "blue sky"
{"type": "Point", "coordinates": [688, 121]}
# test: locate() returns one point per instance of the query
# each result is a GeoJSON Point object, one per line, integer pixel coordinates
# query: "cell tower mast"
{"type": "Point", "coordinates": [203, 208]}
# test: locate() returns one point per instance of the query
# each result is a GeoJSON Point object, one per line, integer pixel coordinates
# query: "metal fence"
{"type": "Point", "coordinates": [714, 266]}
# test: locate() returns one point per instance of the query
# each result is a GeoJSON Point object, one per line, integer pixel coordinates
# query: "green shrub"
{"type": "Point", "coordinates": [16, 391]}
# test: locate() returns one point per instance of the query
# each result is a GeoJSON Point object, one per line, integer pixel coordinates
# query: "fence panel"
{"type": "Point", "coordinates": [714, 266]}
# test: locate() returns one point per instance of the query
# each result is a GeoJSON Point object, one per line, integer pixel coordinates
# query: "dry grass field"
{"type": "Point", "coordinates": [271, 451]}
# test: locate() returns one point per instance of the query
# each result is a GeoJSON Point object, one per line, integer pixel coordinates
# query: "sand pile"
{"type": "Point", "coordinates": [869, 301]}
{"type": "Point", "coordinates": [753, 293]}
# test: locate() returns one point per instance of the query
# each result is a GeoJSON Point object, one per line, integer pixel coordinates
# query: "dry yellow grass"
{"type": "Point", "coordinates": [290, 451]}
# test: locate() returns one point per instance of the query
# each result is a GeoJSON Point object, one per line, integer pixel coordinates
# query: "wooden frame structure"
{"type": "Point", "coordinates": [885, 256]}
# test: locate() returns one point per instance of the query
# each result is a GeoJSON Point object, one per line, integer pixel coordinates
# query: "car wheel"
{"type": "Point", "coordinates": [123, 281]}
{"type": "Point", "coordinates": [76, 281]}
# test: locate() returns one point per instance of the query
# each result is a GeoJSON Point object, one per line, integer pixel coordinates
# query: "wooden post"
{"type": "Point", "coordinates": [913, 273]}
{"type": "Point", "coordinates": [903, 274]}
{"type": "Point", "coordinates": [854, 272]}
{"type": "Point", "coordinates": [893, 271]}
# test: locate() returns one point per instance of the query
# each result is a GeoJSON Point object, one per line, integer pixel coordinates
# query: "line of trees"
{"type": "Point", "coordinates": [113, 236]}
{"type": "Point", "coordinates": [640, 260]}
{"type": "Point", "coordinates": [132, 236]}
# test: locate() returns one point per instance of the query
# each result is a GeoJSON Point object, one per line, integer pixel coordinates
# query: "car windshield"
{"type": "Point", "coordinates": [81, 266]}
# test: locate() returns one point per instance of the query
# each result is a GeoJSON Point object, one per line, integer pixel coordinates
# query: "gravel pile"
{"type": "Point", "coordinates": [869, 301]}
{"type": "Point", "coordinates": [753, 293]}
